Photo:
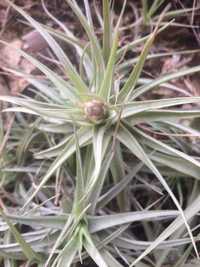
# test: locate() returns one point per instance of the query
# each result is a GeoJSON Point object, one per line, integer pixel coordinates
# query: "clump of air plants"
{"type": "Point", "coordinates": [76, 154]}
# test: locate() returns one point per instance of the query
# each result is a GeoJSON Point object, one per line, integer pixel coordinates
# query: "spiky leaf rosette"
{"type": "Point", "coordinates": [91, 134]}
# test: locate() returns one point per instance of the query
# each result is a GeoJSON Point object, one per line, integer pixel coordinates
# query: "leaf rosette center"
{"type": "Point", "coordinates": [95, 110]}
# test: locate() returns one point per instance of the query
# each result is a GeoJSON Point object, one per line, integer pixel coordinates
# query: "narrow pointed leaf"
{"type": "Point", "coordinates": [135, 107]}
{"type": "Point", "coordinates": [67, 65]}
{"type": "Point", "coordinates": [97, 53]}
{"type": "Point", "coordinates": [99, 223]}
{"type": "Point", "coordinates": [160, 146]}
{"type": "Point", "coordinates": [106, 86]}
{"type": "Point", "coordinates": [64, 155]}
{"type": "Point", "coordinates": [93, 251]}
{"type": "Point", "coordinates": [163, 79]}
{"type": "Point", "coordinates": [27, 250]}
{"type": "Point", "coordinates": [129, 86]}
{"type": "Point", "coordinates": [131, 142]}
{"type": "Point", "coordinates": [191, 211]}
{"type": "Point", "coordinates": [58, 82]}
{"type": "Point", "coordinates": [69, 253]}
{"type": "Point", "coordinates": [79, 189]}
{"type": "Point", "coordinates": [106, 30]}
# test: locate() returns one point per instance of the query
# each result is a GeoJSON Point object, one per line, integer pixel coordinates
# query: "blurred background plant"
{"type": "Point", "coordinates": [97, 168]}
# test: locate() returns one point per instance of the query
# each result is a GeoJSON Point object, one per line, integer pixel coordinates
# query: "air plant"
{"type": "Point", "coordinates": [90, 134]}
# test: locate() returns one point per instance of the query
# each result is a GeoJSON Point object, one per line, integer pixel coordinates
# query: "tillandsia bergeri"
{"type": "Point", "coordinates": [85, 133]}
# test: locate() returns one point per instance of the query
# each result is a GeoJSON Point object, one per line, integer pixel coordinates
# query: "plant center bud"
{"type": "Point", "coordinates": [95, 110]}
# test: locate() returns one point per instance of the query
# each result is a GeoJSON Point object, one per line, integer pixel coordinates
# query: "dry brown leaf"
{"type": "Point", "coordinates": [10, 58]}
